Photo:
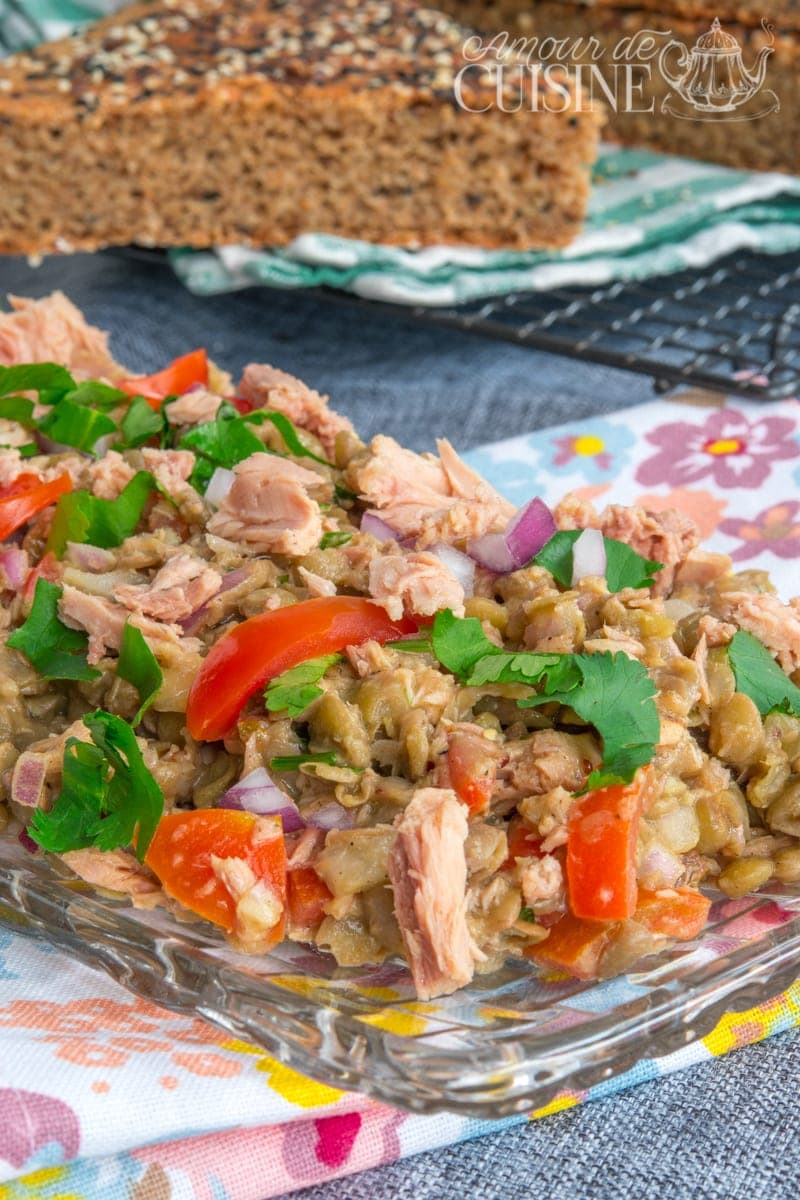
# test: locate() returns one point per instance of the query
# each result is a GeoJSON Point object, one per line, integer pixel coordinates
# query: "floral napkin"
{"type": "Point", "coordinates": [103, 1096]}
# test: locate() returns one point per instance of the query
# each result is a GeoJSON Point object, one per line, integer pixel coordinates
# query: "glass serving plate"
{"type": "Point", "coordinates": [508, 1043]}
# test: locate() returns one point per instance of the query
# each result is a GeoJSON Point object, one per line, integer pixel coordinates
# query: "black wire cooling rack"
{"type": "Point", "coordinates": [732, 327]}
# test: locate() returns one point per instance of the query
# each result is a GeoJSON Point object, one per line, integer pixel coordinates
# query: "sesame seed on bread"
{"type": "Point", "coordinates": [204, 122]}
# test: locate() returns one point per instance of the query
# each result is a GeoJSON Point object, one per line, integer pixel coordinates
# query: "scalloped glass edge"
{"type": "Point", "coordinates": [507, 1044]}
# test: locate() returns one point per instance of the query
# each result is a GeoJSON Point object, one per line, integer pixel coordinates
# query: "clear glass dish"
{"type": "Point", "coordinates": [508, 1043]}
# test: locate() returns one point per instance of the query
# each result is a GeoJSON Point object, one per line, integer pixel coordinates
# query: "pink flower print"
{"type": "Point", "coordinates": [29, 1121]}
{"type": "Point", "coordinates": [596, 450]}
{"type": "Point", "coordinates": [342, 1143]}
{"type": "Point", "coordinates": [729, 448]}
{"type": "Point", "coordinates": [776, 529]}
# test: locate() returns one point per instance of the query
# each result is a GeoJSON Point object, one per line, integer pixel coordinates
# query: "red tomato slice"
{"type": "Point", "coordinates": [472, 767]}
{"type": "Point", "coordinates": [174, 380]}
{"type": "Point", "coordinates": [251, 654]}
{"type": "Point", "coordinates": [26, 496]}
{"type": "Point", "coordinates": [184, 844]}
{"type": "Point", "coordinates": [602, 832]}
{"type": "Point", "coordinates": [307, 896]}
{"type": "Point", "coordinates": [47, 568]}
{"type": "Point", "coordinates": [574, 946]}
{"type": "Point", "coordinates": [679, 913]}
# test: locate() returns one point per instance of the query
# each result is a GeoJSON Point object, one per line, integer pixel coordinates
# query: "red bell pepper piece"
{"type": "Point", "coordinates": [602, 832]}
{"type": "Point", "coordinates": [26, 496]}
{"type": "Point", "coordinates": [174, 380]}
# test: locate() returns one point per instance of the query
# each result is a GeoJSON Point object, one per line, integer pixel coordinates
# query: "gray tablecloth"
{"type": "Point", "coordinates": [728, 1130]}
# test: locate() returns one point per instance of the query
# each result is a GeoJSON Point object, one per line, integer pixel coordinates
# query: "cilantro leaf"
{"type": "Point", "coordinates": [612, 692]}
{"type": "Point", "coordinates": [100, 396]}
{"type": "Point", "coordinates": [336, 537]}
{"type": "Point", "coordinates": [420, 645]}
{"type": "Point", "coordinates": [624, 567]}
{"type": "Point", "coordinates": [56, 651]}
{"type": "Point", "coordinates": [76, 425]}
{"type": "Point", "coordinates": [140, 423]}
{"type": "Point", "coordinates": [223, 442]}
{"type": "Point", "coordinates": [35, 377]}
{"type": "Point", "coordinates": [459, 643]}
{"type": "Point", "coordinates": [616, 695]}
{"type": "Point", "coordinates": [108, 795]}
{"type": "Point", "coordinates": [139, 666]}
{"type": "Point", "coordinates": [526, 914]}
{"type": "Point", "coordinates": [295, 689]}
{"type": "Point", "coordinates": [17, 408]}
{"type": "Point", "coordinates": [760, 677]}
{"type": "Point", "coordinates": [290, 762]}
{"type": "Point", "coordinates": [82, 517]}
{"type": "Point", "coordinates": [288, 433]}
{"type": "Point", "coordinates": [343, 494]}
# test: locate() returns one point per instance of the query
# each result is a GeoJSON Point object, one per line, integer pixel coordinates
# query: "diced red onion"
{"type": "Point", "coordinates": [329, 816]}
{"type": "Point", "coordinates": [373, 524]}
{"type": "Point", "coordinates": [91, 558]}
{"type": "Point", "coordinates": [231, 580]}
{"type": "Point", "coordinates": [458, 564]}
{"type": "Point", "coordinates": [528, 530]}
{"type": "Point", "coordinates": [26, 841]}
{"type": "Point", "coordinates": [104, 444]}
{"type": "Point", "coordinates": [257, 793]}
{"type": "Point", "coordinates": [28, 779]}
{"type": "Point", "coordinates": [14, 564]}
{"type": "Point", "coordinates": [219, 485]}
{"type": "Point", "coordinates": [491, 552]}
{"type": "Point", "coordinates": [588, 555]}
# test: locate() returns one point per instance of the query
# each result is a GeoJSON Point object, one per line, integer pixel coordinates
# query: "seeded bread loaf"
{"type": "Point", "coordinates": [764, 137]}
{"type": "Point", "coordinates": [205, 122]}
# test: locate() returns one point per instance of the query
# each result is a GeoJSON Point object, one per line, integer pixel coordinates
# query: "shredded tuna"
{"type": "Point", "coordinates": [776, 625]}
{"type": "Point", "coordinates": [194, 408]}
{"type": "Point", "coordinates": [573, 513]}
{"type": "Point", "coordinates": [702, 567]}
{"type": "Point", "coordinates": [183, 585]}
{"type": "Point", "coordinates": [700, 659]}
{"type": "Point", "coordinates": [109, 475]}
{"type": "Point", "coordinates": [171, 468]}
{"type": "Point", "coordinates": [546, 760]}
{"type": "Point", "coordinates": [316, 585]}
{"type": "Point", "coordinates": [668, 537]}
{"type": "Point", "coordinates": [428, 872]}
{"type": "Point", "coordinates": [368, 658]}
{"type": "Point", "coordinates": [104, 621]}
{"type": "Point", "coordinates": [115, 870]}
{"type": "Point", "coordinates": [414, 584]}
{"type": "Point", "coordinates": [542, 881]}
{"type": "Point", "coordinates": [269, 508]}
{"type": "Point", "coordinates": [11, 465]}
{"type": "Point", "coordinates": [267, 387]}
{"type": "Point", "coordinates": [716, 633]}
{"type": "Point", "coordinates": [54, 330]}
{"type": "Point", "coordinates": [418, 494]}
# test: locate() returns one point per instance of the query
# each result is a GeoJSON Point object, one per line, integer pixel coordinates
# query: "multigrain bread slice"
{"type": "Point", "coordinates": [767, 142]}
{"type": "Point", "coordinates": [205, 122]}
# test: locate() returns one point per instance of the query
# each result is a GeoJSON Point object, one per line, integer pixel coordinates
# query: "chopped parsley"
{"type": "Point", "coordinates": [527, 914]}
{"type": "Point", "coordinates": [223, 442]}
{"type": "Point", "coordinates": [760, 677]}
{"type": "Point", "coordinates": [56, 651]}
{"type": "Point", "coordinates": [108, 795]}
{"type": "Point", "coordinates": [624, 567]}
{"type": "Point", "coordinates": [140, 423]}
{"type": "Point", "coordinates": [294, 690]}
{"type": "Point", "coordinates": [139, 666]}
{"type": "Point", "coordinates": [76, 425]}
{"type": "Point", "coordinates": [612, 692]}
{"type": "Point", "coordinates": [337, 537]}
{"type": "Point", "coordinates": [44, 378]}
{"type": "Point", "coordinates": [291, 762]}
{"type": "Point", "coordinates": [420, 645]}
{"type": "Point", "coordinates": [82, 517]}
{"type": "Point", "coordinates": [17, 408]}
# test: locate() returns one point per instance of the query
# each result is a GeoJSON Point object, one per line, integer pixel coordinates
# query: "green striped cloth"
{"type": "Point", "coordinates": [649, 215]}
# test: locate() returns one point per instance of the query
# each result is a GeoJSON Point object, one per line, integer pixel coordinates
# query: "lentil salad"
{"type": "Point", "coordinates": [346, 694]}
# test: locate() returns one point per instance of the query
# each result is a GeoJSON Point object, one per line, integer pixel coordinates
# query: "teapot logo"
{"type": "Point", "coordinates": [711, 82]}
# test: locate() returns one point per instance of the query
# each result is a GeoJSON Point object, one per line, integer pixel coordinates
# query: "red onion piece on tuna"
{"type": "Point", "coordinates": [458, 564]}
{"type": "Point", "coordinates": [372, 523]}
{"type": "Point", "coordinates": [26, 841]}
{"type": "Point", "coordinates": [588, 555]}
{"type": "Point", "coordinates": [14, 564]}
{"type": "Point", "coordinates": [491, 552]}
{"type": "Point", "coordinates": [28, 779]}
{"type": "Point", "coordinates": [257, 793]}
{"type": "Point", "coordinates": [327, 816]}
{"type": "Point", "coordinates": [528, 530]}
{"type": "Point", "coordinates": [219, 485]}
{"type": "Point", "coordinates": [231, 580]}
